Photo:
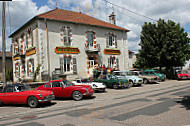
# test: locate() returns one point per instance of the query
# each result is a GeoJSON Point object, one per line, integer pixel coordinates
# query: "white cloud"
{"type": "Point", "coordinates": [176, 10]}
{"type": "Point", "coordinates": [20, 12]}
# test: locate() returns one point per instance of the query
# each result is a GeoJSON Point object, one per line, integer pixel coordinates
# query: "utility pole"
{"type": "Point", "coordinates": [3, 45]}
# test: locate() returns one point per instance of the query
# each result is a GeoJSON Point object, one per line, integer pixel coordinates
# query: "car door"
{"type": "Point", "coordinates": [57, 88]}
{"type": "Point", "coordinates": [7, 95]}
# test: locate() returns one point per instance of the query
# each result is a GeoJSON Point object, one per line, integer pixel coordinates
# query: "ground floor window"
{"type": "Point", "coordinates": [113, 62]}
{"type": "Point", "coordinates": [67, 64]}
{"type": "Point", "coordinates": [17, 70]}
{"type": "Point", "coordinates": [30, 67]}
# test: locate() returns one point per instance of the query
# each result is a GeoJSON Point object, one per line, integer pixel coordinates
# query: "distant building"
{"type": "Point", "coordinates": [67, 43]}
{"type": "Point", "coordinates": [9, 63]}
{"type": "Point", "coordinates": [132, 59]}
{"type": "Point", "coordinates": [186, 66]}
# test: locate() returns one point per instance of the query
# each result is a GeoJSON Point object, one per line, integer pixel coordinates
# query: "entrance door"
{"type": "Point", "coordinates": [91, 64]}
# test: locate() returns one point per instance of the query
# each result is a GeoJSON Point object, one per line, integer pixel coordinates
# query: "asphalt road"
{"type": "Point", "coordinates": [163, 104]}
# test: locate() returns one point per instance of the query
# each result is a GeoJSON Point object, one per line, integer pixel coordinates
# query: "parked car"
{"type": "Point", "coordinates": [183, 75]}
{"type": "Point", "coordinates": [146, 78]}
{"type": "Point", "coordinates": [96, 86]}
{"type": "Point", "coordinates": [64, 88]}
{"type": "Point", "coordinates": [129, 76]}
{"type": "Point", "coordinates": [22, 94]}
{"type": "Point", "coordinates": [112, 81]}
{"type": "Point", "coordinates": [162, 77]}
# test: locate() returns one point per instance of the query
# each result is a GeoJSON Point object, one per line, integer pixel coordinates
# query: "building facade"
{"type": "Point", "coordinates": [65, 43]}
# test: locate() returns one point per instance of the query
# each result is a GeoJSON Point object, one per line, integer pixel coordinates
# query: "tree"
{"type": "Point", "coordinates": [164, 44]}
{"type": "Point", "coordinates": [9, 74]}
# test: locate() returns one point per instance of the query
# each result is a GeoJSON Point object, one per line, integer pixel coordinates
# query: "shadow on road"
{"type": "Point", "coordinates": [41, 105]}
{"type": "Point", "coordinates": [185, 101]}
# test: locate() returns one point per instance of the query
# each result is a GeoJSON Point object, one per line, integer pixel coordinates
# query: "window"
{"type": "Point", "coordinates": [111, 62]}
{"type": "Point", "coordinates": [56, 84]}
{"type": "Point", "coordinates": [74, 65]}
{"type": "Point", "coordinates": [9, 89]}
{"type": "Point", "coordinates": [67, 64]}
{"type": "Point", "coordinates": [17, 70]}
{"type": "Point", "coordinates": [47, 85]}
{"type": "Point", "coordinates": [110, 39]}
{"type": "Point", "coordinates": [90, 38]}
{"type": "Point", "coordinates": [66, 36]}
{"type": "Point", "coordinates": [30, 67]}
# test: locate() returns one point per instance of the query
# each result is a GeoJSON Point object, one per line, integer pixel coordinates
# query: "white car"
{"type": "Point", "coordinates": [96, 86]}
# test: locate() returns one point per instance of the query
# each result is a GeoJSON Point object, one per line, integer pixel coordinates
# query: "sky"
{"type": "Point", "coordinates": [19, 12]}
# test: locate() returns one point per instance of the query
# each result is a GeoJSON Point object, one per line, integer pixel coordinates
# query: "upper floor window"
{"type": "Point", "coordinates": [111, 41]}
{"type": "Point", "coordinates": [90, 38]}
{"type": "Point", "coordinates": [66, 36]}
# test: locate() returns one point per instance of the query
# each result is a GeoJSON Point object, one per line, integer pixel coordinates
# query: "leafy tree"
{"type": "Point", "coordinates": [164, 44]}
{"type": "Point", "coordinates": [36, 72]}
{"type": "Point", "coordinates": [9, 74]}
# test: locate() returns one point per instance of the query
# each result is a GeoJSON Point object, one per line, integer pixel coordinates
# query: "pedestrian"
{"type": "Point", "coordinates": [95, 72]}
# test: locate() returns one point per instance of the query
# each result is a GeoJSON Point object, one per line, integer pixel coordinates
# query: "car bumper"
{"type": "Point", "coordinates": [47, 98]}
{"type": "Point", "coordinates": [88, 93]}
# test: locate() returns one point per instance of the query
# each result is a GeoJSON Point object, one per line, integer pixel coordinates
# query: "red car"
{"type": "Point", "coordinates": [22, 94]}
{"type": "Point", "coordinates": [183, 75]}
{"type": "Point", "coordinates": [64, 88]}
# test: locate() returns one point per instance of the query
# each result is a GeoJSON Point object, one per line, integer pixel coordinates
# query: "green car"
{"type": "Point", "coordinates": [162, 77]}
{"type": "Point", "coordinates": [111, 81]}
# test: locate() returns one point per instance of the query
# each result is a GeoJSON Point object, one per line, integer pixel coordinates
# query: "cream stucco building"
{"type": "Point", "coordinates": [67, 43]}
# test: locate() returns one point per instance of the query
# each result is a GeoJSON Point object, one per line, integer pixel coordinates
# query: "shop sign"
{"type": "Point", "coordinates": [16, 57]}
{"type": "Point", "coordinates": [112, 51]}
{"type": "Point", "coordinates": [31, 51]}
{"type": "Point", "coordinates": [66, 50]}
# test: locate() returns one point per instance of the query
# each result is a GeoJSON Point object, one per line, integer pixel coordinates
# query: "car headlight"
{"type": "Point", "coordinates": [86, 89]}
{"type": "Point", "coordinates": [40, 95]}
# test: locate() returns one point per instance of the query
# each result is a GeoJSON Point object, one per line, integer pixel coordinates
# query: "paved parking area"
{"type": "Point", "coordinates": [150, 105]}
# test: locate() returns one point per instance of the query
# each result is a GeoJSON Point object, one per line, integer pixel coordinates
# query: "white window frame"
{"type": "Point", "coordinates": [66, 63]}
{"type": "Point", "coordinates": [66, 36]}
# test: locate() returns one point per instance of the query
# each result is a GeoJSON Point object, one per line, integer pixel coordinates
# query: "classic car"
{"type": "Point", "coordinates": [96, 86]}
{"type": "Point", "coordinates": [146, 78]}
{"type": "Point", "coordinates": [22, 94]}
{"type": "Point", "coordinates": [64, 88]}
{"type": "Point", "coordinates": [112, 81]}
{"type": "Point", "coordinates": [129, 76]}
{"type": "Point", "coordinates": [183, 75]}
{"type": "Point", "coordinates": [161, 76]}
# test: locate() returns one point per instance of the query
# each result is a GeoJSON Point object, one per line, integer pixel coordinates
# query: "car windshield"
{"type": "Point", "coordinates": [135, 73]}
{"type": "Point", "coordinates": [67, 83]}
{"type": "Point", "coordinates": [112, 77]}
{"type": "Point", "coordinates": [19, 88]}
{"type": "Point", "coordinates": [85, 81]}
{"type": "Point", "coordinates": [184, 72]}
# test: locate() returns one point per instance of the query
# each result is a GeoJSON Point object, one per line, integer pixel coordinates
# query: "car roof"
{"type": "Point", "coordinates": [150, 70]}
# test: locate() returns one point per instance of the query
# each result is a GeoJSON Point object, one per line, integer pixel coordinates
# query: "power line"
{"type": "Point", "coordinates": [129, 10]}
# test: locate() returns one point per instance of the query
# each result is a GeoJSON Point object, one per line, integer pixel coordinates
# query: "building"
{"type": "Point", "coordinates": [67, 43]}
{"type": "Point", "coordinates": [8, 61]}
{"type": "Point", "coordinates": [132, 59]}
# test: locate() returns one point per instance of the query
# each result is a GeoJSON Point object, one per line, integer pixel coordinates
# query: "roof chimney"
{"type": "Point", "coordinates": [112, 18]}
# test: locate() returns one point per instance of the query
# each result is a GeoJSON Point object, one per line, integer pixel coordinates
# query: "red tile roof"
{"type": "Point", "coordinates": [77, 17]}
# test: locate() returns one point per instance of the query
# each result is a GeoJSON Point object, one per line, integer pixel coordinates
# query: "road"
{"type": "Point", "coordinates": [150, 105]}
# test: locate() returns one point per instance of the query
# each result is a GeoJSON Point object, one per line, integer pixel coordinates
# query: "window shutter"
{"type": "Point", "coordinates": [61, 64]}
{"type": "Point", "coordinates": [115, 41]}
{"type": "Point", "coordinates": [74, 65]}
{"type": "Point", "coordinates": [108, 62]}
{"type": "Point", "coordinates": [107, 41]}
{"type": "Point", "coordinates": [117, 62]}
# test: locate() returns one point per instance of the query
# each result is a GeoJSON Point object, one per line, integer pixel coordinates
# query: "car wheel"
{"type": "Point", "coordinates": [145, 81]}
{"type": "Point", "coordinates": [32, 102]}
{"type": "Point", "coordinates": [103, 90]}
{"type": "Point", "coordinates": [77, 95]}
{"type": "Point", "coordinates": [115, 86]}
{"type": "Point", "coordinates": [130, 84]}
